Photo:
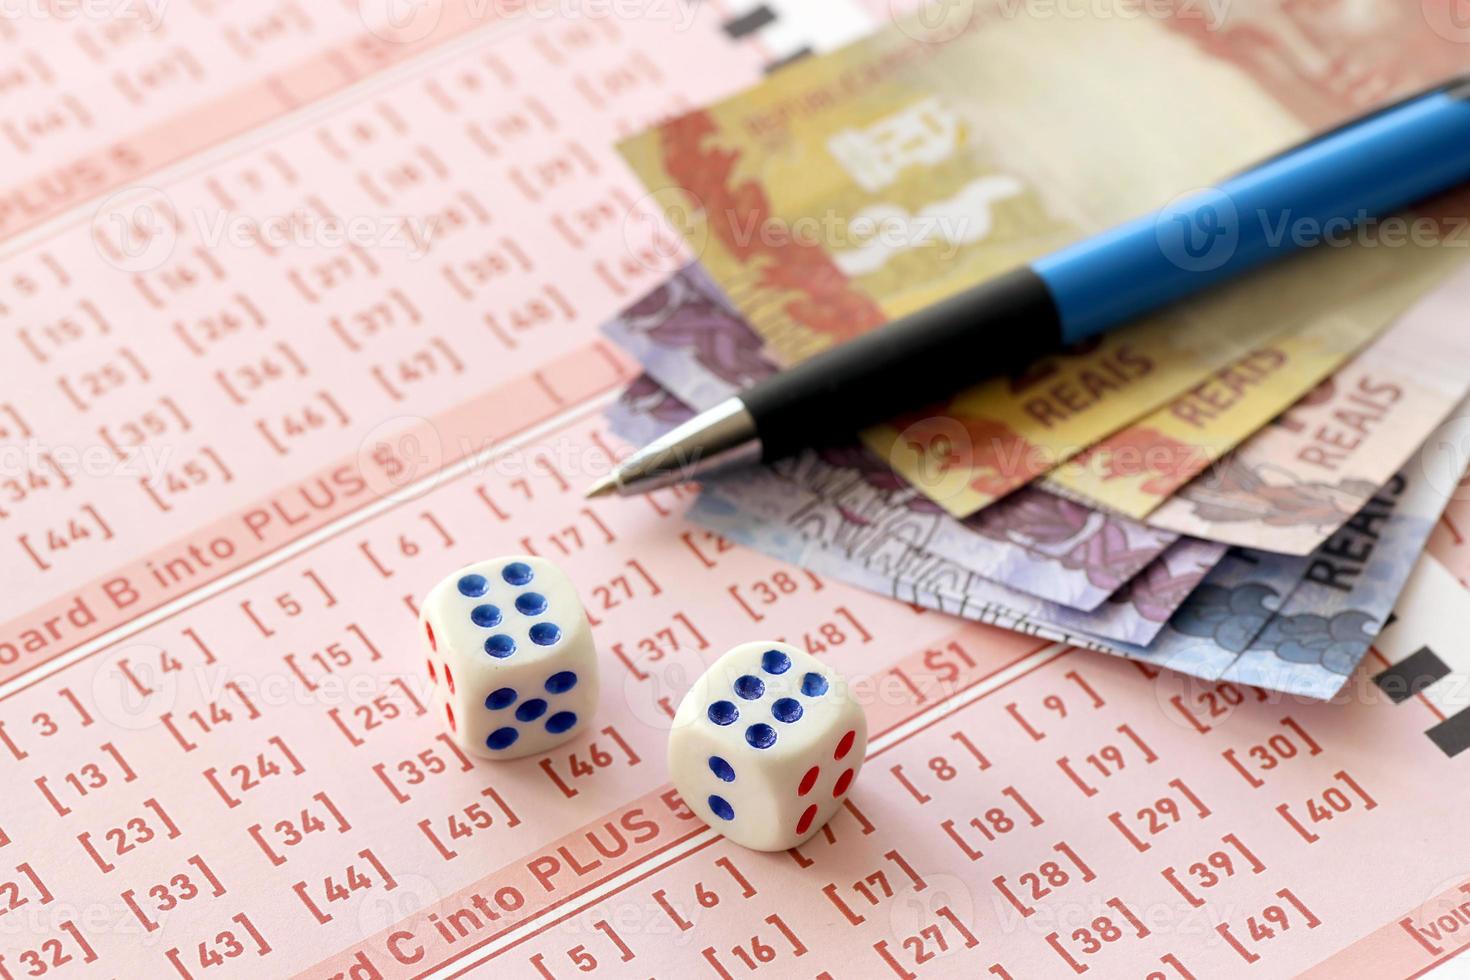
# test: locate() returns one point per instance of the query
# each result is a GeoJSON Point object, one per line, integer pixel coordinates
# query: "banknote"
{"type": "Point", "coordinates": [773, 515]}
{"type": "Point", "coordinates": [1324, 628]}
{"type": "Point", "coordinates": [1302, 624]}
{"type": "Point", "coordinates": [1225, 614]}
{"type": "Point", "coordinates": [725, 518]}
{"type": "Point", "coordinates": [1289, 487]}
{"type": "Point", "coordinates": [644, 411]}
{"type": "Point", "coordinates": [1137, 468]}
{"type": "Point", "coordinates": [859, 186]}
{"type": "Point", "coordinates": [1033, 541]}
{"type": "Point", "coordinates": [691, 340]}
{"type": "Point", "coordinates": [1295, 624]}
{"type": "Point", "coordinates": [1323, 59]}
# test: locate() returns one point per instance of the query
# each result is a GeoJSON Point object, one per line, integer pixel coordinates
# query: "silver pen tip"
{"type": "Point", "coordinates": [603, 487]}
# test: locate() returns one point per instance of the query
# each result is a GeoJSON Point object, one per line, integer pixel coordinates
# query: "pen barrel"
{"type": "Point", "coordinates": [1329, 185]}
{"type": "Point", "coordinates": [989, 330]}
{"type": "Point", "coordinates": [1319, 193]}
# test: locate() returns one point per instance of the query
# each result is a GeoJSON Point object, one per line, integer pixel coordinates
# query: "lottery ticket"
{"type": "Point", "coordinates": [213, 730]}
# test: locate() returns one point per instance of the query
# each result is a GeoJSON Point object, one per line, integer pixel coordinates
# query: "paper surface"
{"type": "Point", "coordinates": [244, 785]}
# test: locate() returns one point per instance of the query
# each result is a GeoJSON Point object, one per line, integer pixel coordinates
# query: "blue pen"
{"type": "Point", "coordinates": [1319, 190]}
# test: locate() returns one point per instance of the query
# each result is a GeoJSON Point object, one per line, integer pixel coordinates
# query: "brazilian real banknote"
{"type": "Point", "coordinates": [773, 516]}
{"type": "Point", "coordinates": [696, 347]}
{"type": "Point", "coordinates": [644, 411]}
{"type": "Point", "coordinates": [1295, 624]}
{"type": "Point", "coordinates": [835, 518]}
{"type": "Point", "coordinates": [1294, 483]}
{"type": "Point", "coordinates": [858, 186]}
{"type": "Point", "coordinates": [1292, 623]}
{"type": "Point", "coordinates": [1302, 623]}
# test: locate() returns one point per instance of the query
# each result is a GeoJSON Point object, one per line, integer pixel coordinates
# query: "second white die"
{"type": "Point", "coordinates": [766, 745]}
{"type": "Point", "coordinates": [510, 655]}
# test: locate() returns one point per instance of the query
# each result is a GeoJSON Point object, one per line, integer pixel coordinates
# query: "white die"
{"type": "Point", "coordinates": [510, 656]}
{"type": "Point", "coordinates": [766, 745]}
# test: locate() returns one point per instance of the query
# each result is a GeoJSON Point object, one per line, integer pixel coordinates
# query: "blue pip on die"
{"type": "Point", "coordinates": [766, 745]}
{"type": "Point", "coordinates": [510, 657]}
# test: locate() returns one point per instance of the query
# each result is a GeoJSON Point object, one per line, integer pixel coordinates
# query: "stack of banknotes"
{"type": "Point", "coordinates": [1237, 488]}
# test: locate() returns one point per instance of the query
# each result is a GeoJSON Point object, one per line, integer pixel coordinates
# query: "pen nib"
{"type": "Point", "coordinates": [603, 487]}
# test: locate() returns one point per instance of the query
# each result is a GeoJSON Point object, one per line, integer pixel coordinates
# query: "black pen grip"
{"type": "Point", "coordinates": [991, 329]}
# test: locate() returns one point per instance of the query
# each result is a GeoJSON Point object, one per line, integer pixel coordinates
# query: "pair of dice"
{"type": "Point", "coordinates": [764, 747]}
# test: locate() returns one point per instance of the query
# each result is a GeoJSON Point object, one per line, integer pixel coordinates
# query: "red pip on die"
{"type": "Point", "coordinates": [767, 745]}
